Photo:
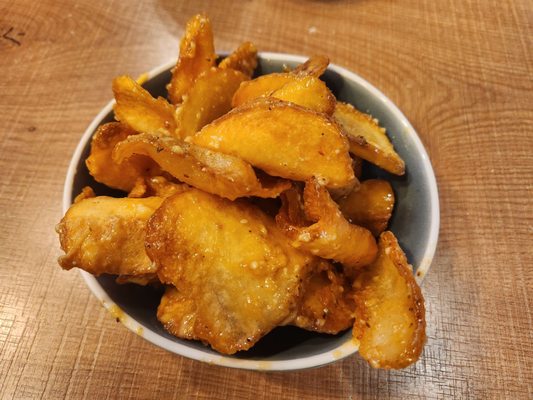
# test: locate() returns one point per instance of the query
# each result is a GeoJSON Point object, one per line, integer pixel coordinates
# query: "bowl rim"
{"type": "Point", "coordinates": [348, 347]}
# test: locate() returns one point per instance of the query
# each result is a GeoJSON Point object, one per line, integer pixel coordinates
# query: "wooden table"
{"type": "Point", "coordinates": [462, 73]}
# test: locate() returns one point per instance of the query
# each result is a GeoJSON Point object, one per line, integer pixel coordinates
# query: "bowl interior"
{"type": "Point", "coordinates": [414, 222]}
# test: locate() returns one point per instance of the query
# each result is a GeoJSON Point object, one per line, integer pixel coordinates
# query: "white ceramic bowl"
{"type": "Point", "coordinates": [415, 222]}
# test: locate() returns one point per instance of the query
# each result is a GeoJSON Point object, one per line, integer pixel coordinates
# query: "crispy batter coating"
{"type": "Point", "coordinates": [266, 85]}
{"type": "Point", "coordinates": [177, 313]}
{"type": "Point", "coordinates": [284, 140]}
{"type": "Point", "coordinates": [208, 98]}
{"type": "Point", "coordinates": [262, 86]}
{"type": "Point", "coordinates": [197, 54]}
{"type": "Point", "coordinates": [139, 110]}
{"type": "Point", "coordinates": [390, 313]}
{"type": "Point", "coordinates": [314, 66]}
{"type": "Point", "coordinates": [304, 90]}
{"type": "Point", "coordinates": [367, 139]}
{"type": "Point", "coordinates": [327, 304]}
{"type": "Point", "coordinates": [105, 235]}
{"type": "Point", "coordinates": [158, 186]}
{"type": "Point", "coordinates": [370, 206]}
{"type": "Point", "coordinates": [86, 193]}
{"type": "Point", "coordinates": [243, 59]}
{"type": "Point", "coordinates": [102, 167]}
{"type": "Point", "coordinates": [309, 92]}
{"type": "Point", "coordinates": [232, 261]}
{"type": "Point", "coordinates": [213, 172]}
{"type": "Point", "coordinates": [318, 226]}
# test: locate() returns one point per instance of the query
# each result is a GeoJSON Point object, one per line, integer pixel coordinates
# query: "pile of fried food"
{"type": "Point", "coordinates": [244, 201]}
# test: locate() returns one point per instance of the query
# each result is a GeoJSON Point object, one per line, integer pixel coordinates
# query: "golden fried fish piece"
{"type": "Point", "coordinates": [283, 140]}
{"type": "Point", "coordinates": [306, 91]}
{"type": "Point", "coordinates": [262, 86]}
{"type": "Point", "coordinates": [177, 313]}
{"type": "Point", "coordinates": [367, 139]}
{"type": "Point", "coordinates": [105, 235]}
{"type": "Point", "coordinates": [102, 167]}
{"type": "Point", "coordinates": [211, 171]}
{"type": "Point", "coordinates": [158, 186]}
{"type": "Point", "coordinates": [318, 226]}
{"type": "Point", "coordinates": [265, 85]}
{"type": "Point", "coordinates": [138, 109]}
{"type": "Point", "coordinates": [208, 98]}
{"type": "Point", "coordinates": [243, 59]}
{"type": "Point", "coordinates": [314, 66]}
{"type": "Point", "coordinates": [369, 206]}
{"type": "Point", "coordinates": [327, 304]}
{"type": "Point", "coordinates": [390, 321]}
{"type": "Point", "coordinates": [232, 261]}
{"type": "Point", "coordinates": [197, 54]}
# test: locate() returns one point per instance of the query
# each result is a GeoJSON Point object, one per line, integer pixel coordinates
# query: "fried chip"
{"type": "Point", "coordinates": [367, 139]}
{"type": "Point", "coordinates": [177, 313]}
{"type": "Point", "coordinates": [390, 314]}
{"type": "Point", "coordinates": [265, 85]}
{"type": "Point", "coordinates": [314, 66]}
{"type": "Point", "coordinates": [86, 193]}
{"type": "Point", "coordinates": [197, 55]}
{"type": "Point", "coordinates": [327, 302]}
{"type": "Point", "coordinates": [105, 235]}
{"type": "Point", "coordinates": [318, 227]}
{"type": "Point", "coordinates": [102, 167]}
{"type": "Point", "coordinates": [244, 59]}
{"type": "Point", "coordinates": [158, 186]}
{"type": "Point", "coordinates": [136, 107]}
{"type": "Point", "coordinates": [208, 98]}
{"type": "Point", "coordinates": [232, 261]}
{"type": "Point", "coordinates": [370, 206]}
{"type": "Point", "coordinates": [306, 91]}
{"type": "Point", "coordinates": [283, 140]}
{"type": "Point", "coordinates": [262, 86]}
{"type": "Point", "coordinates": [213, 172]}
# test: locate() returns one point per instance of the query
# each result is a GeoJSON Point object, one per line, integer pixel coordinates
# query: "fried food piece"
{"type": "Point", "coordinates": [139, 110]}
{"type": "Point", "coordinates": [309, 92]}
{"type": "Point", "coordinates": [244, 59]}
{"type": "Point", "coordinates": [197, 55]}
{"type": "Point", "coordinates": [161, 187]}
{"type": "Point", "coordinates": [232, 261]}
{"type": "Point", "coordinates": [86, 193]}
{"type": "Point", "coordinates": [306, 91]}
{"type": "Point", "coordinates": [390, 315]}
{"type": "Point", "coordinates": [158, 186]}
{"type": "Point", "coordinates": [314, 66]}
{"type": "Point", "coordinates": [262, 86]}
{"type": "Point", "coordinates": [208, 98]}
{"type": "Point", "coordinates": [318, 227]}
{"type": "Point", "coordinates": [327, 304]}
{"type": "Point", "coordinates": [213, 172]}
{"type": "Point", "coordinates": [177, 313]}
{"type": "Point", "coordinates": [367, 139]}
{"type": "Point", "coordinates": [266, 85]}
{"type": "Point", "coordinates": [102, 167]}
{"type": "Point", "coordinates": [283, 140]}
{"type": "Point", "coordinates": [370, 206]}
{"type": "Point", "coordinates": [139, 189]}
{"type": "Point", "coordinates": [105, 235]}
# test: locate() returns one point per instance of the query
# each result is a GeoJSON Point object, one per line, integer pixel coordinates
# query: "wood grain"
{"type": "Point", "coordinates": [461, 71]}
